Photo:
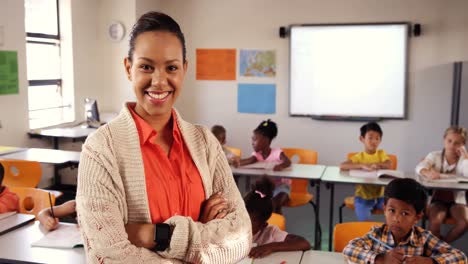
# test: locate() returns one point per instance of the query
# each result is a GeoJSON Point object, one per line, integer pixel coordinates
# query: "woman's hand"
{"type": "Point", "coordinates": [46, 220]}
{"type": "Point", "coordinates": [214, 208]}
{"type": "Point", "coordinates": [141, 235]}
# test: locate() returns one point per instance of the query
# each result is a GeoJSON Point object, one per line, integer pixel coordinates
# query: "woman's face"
{"type": "Point", "coordinates": [157, 72]}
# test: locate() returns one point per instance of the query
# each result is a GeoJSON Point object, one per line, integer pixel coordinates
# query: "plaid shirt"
{"type": "Point", "coordinates": [421, 242]}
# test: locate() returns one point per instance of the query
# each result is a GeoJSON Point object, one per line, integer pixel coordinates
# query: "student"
{"type": "Point", "coordinates": [220, 133]}
{"type": "Point", "coordinates": [268, 238]}
{"type": "Point", "coordinates": [9, 201]}
{"type": "Point", "coordinates": [261, 140]}
{"type": "Point", "coordinates": [400, 240]}
{"type": "Point", "coordinates": [368, 197]}
{"type": "Point", "coordinates": [49, 222]}
{"type": "Point", "coordinates": [453, 159]}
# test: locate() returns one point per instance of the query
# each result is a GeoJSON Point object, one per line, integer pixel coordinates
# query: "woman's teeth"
{"type": "Point", "coordinates": [158, 96]}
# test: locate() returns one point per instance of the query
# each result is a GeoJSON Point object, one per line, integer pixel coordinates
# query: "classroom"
{"type": "Point", "coordinates": [92, 67]}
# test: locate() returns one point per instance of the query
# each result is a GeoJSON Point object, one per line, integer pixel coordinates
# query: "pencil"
{"type": "Point", "coordinates": [381, 242]}
{"type": "Point", "coordinates": [51, 207]}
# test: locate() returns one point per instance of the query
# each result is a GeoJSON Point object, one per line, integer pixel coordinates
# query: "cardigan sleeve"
{"type": "Point", "coordinates": [101, 208]}
{"type": "Point", "coordinates": [221, 240]}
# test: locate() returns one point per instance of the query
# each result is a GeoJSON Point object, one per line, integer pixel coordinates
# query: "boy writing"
{"type": "Point", "coordinates": [400, 240]}
{"type": "Point", "coordinates": [368, 197]}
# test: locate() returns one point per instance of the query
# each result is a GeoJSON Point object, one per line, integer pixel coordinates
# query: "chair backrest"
{"type": "Point", "coordinates": [21, 173]}
{"type": "Point", "coordinates": [305, 157]}
{"type": "Point", "coordinates": [235, 151]}
{"type": "Point", "coordinates": [345, 232]}
{"type": "Point", "coordinates": [393, 159]}
{"type": "Point", "coordinates": [32, 200]}
{"type": "Point", "coordinates": [277, 220]}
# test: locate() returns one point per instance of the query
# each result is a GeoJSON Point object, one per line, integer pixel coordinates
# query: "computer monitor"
{"type": "Point", "coordinates": [91, 113]}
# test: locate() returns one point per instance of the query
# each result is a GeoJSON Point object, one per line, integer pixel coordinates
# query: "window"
{"type": "Point", "coordinates": [47, 104]}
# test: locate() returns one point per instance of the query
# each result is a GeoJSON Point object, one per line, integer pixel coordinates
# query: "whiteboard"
{"type": "Point", "coordinates": [348, 71]}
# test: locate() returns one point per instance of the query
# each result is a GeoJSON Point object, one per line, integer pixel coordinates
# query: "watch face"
{"type": "Point", "coordinates": [162, 232]}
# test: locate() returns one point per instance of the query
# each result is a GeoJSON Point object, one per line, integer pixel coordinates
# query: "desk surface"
{"type": "Point", "coordinates": [63, 132]}
{"type": "Point", "coordinates": [291, 257]}
{"type": "Point", "coordinates": [313, 256]}
{"type": "Point", "coordinates": [50, 156]}
{"type": "Point", "coordinates": [16, 245]}
{"type": "Point", "coordinates": [299, 171]}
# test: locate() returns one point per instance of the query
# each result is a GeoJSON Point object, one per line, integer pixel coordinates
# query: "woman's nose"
{"type": "Point", "coordinates": [159, 77]}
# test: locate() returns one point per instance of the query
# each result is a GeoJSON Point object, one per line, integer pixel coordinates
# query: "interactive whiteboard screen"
{"type": "Point", "coordinates": [349, 71]}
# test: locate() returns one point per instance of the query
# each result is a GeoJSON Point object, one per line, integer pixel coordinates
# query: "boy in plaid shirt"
{"type": "Point", "coordinates": [400, 240]}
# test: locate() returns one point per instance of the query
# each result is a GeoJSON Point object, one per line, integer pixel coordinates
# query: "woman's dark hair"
{"type": "Point", "coordinates": [155, 21]}
{"type": "Point", "coordinates": [267, 128]}
{"type": "Point", "coordinates": [258, 201]}
{"type": "Point", "coordinates": [408, 191]}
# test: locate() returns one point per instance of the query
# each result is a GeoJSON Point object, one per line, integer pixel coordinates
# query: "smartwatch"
{"type": "Point", "coordinates": [162, 236]}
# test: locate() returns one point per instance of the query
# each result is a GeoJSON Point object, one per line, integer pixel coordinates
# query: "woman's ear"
{"type": "Point", "coordinates": [128, 68]}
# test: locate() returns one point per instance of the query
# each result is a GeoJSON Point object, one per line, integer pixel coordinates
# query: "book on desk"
{"type": "Point", "coordinates": [12, 220]}
{"type": "Point", "coordinates": [65, 236]}
{"type": "Point", "coordinates": [376, 174]}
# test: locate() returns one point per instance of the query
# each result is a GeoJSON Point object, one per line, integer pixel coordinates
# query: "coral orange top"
{"type": "Point", "coordinates": [173, 182]}
{"type": "Point", "coordinates": [9, 201]}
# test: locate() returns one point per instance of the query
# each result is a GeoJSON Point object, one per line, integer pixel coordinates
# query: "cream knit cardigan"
{"type": "Point", "coordinates": [112, 192]}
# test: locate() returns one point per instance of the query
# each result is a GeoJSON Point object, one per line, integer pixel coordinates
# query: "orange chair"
{"type": "Point", "coordinates": [349, 201]}
{"type": "Point", "coordinates": [278, 220]}
{"type": "Point", "coordinates": [299, 188]}
{"type": "Point", "coordinates": [21, 173]}
{"type": "Point", "coordinates": [345, 232]}
{"type": "Point", "coordinates": [32, 200]}
{"type": "Point", "coordinates": [24, 173]}
{"type": "Point", "coordinates": [235, 151]}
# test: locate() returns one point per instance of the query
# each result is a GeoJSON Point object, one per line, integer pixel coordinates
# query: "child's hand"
{"type": "Point", "coordinates": [235, 161]}
{"type": "Point", "coordinates": [47, 221]}
{"type": "Point", "coordinates": [433, 174]}
{"type": "Point", "coordinates": [215, 207]}
{"type": "Point", "coordinates": [369, 167]}
{"type": "Point", "coordinates": [261, 251]}
{"type": "Point", "coordinates": [277, 167]}
{"type": "Point", "coordinates": [418, 260]}
{"type": "Point", "coordinates": [462, 153]}
{"type": "Point", "coordinates": [395, 256]}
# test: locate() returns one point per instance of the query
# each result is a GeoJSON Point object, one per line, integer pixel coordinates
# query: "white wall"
{"type": "Point", "coordinates": [254, 24]}
{"type": "Point", "coordinates": [14, 107]}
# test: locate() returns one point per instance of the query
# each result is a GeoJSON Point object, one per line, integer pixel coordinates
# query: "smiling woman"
{"type": "Point", "coordinates": [152, 186]}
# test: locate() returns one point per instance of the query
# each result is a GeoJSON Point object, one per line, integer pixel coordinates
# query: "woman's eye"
{"type": "Point", "coordinates": [146, 67]}
{"type": "Point", "coordinates": [172, 68]}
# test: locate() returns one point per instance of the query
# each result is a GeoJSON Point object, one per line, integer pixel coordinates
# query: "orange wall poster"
{"type": "Point", "coordinates": [216, 64]}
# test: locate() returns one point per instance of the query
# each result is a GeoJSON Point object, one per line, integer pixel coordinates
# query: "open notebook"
{"type": "Point", "coordinates": [65, 236]}
{"type": "Point", "coordinates": [263, 166]}
{"type": "Point", "coordinates": [447, 178]}
{"type": "Point", "coordinates": [376, 174]}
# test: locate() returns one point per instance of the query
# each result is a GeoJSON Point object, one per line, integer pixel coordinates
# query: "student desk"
{"type": "Point", "coordinates": [15, 247]}
{"type": "Point", "coordinates": [74, 133]}
{"type": "Point", "coordinates": [333, 175]}
{"type": "Point", "coordinates": [442, 185]}
{"type": "Point", "coordinates": [290, 257]}
{"type": "Point", "coordinates": [58, 158]}
{"type": "Point", "coordinates": [313, 256]}
{"type": "Point", "coordinates": [313, 173]}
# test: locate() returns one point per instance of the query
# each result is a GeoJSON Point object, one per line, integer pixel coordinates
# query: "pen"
{"type": "Point", "coordinates": [51, 207]}
{"type": "Point", "coordinates": [380, 242]}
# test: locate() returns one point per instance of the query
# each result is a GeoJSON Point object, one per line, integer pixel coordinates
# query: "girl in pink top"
{"type": "Point", "coordinates": [261, 141]}
{"type": "Point", "coordinates": [269, 238]}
